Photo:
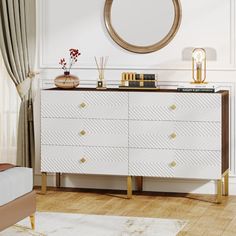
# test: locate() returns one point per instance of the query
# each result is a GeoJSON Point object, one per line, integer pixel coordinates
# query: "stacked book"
{"type": "Point", "coordinates": [194, 87]}
{"type": "Point", "coordinates": [134, 80]}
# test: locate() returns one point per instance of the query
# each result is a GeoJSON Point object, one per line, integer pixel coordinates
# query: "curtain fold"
{"type": "Point", "coordinates": [18, 47]}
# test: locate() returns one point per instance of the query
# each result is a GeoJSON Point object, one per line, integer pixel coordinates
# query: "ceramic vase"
{"type": "Point", "coordinates": [66, 81]}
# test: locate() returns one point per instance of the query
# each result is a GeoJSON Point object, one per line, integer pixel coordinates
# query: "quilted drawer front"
{"type": "Point", "coordinates": [113, 133]}
{"type": "Point", "coordinates": [84, 160]}
{"type": "Point", "coordinates": [175, 135]}
{"type": "Point", "coordinates": [175, 106]}
{"type": "Point", "coordinates": [175, 163]}
{"type": "Point", "coordinates": [77, 104]}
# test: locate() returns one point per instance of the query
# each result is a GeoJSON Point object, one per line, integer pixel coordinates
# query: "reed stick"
{"type": "Point", "coordinates": [101, 66]}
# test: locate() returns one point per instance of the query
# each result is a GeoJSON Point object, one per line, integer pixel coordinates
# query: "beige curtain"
{"type": "Point", "coordinates": [18, 46]}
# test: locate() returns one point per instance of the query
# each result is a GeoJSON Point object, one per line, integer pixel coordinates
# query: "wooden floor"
{"type": "Point", "coordinates": [204, 217]}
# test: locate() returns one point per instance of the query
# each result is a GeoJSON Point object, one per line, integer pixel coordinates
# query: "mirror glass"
{"type": "Point", "coordinates": [142, 22]}
{"type": "Point", "coordinates": [142, 26]}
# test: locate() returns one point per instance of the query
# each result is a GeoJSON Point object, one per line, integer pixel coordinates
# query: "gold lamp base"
{"type": "Point", "coordinates": [195, 82]}
{"type": "Point", "coordinates": [199, 65]}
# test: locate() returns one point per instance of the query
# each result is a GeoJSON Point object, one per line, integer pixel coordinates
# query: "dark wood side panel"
{"type": "Point", "coordinates": [225, 131]}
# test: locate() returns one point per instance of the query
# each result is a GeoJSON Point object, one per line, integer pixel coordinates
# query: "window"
{"type": "Point", "coordinates": [9, 108]}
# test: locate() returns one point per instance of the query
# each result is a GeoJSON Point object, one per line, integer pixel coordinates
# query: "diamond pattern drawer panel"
{"type": "Point", "coordinates": [175, 163]}
{"type": "Point", "coordinates": [111, 133]}
{"type": "Point", "coordinates": [74, 104]}
{"type": "Point", "coordinates": [175, 106]}
{"type": "Point", "coordinates": [84, 160]}
{"type": "Point", "coordinates": [175, 135]}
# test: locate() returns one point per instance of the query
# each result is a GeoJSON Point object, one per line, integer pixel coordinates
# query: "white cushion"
{"type": "Point", "coordinates": [14, 183]}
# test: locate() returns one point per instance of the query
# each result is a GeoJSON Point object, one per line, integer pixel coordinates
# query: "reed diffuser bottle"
{"type": "Point", "coordinates": [101, 65]}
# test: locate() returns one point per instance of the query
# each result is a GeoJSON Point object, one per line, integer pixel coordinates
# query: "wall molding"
{"type": "Point", "coordinates": [42, 10]}
{"type": "Point", "coordinates": [121, 68]}
{"type": "Point", "coordinates": [233, 31]}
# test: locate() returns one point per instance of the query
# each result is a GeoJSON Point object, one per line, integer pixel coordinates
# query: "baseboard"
{"type": "Point", "coordinates": [149, 184]}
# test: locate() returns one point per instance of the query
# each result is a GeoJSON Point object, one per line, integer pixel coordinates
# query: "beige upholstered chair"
{"type": "Point", "coordinates": [17, 198]}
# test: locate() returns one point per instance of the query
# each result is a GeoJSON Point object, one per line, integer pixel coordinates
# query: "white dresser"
{"type": "Point", "coordinates": [160, 133]}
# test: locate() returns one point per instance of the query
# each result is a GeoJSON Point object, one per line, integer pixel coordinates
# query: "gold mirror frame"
{"type": "Point", "coordinates": [142, 49]}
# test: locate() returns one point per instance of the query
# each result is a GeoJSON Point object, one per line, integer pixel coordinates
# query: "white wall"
{"type": "Point", "coordinates": [79, 24]}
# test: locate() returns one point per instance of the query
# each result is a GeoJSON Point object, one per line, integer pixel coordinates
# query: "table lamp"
{"type": "Point", "coordinates": [199, 65]}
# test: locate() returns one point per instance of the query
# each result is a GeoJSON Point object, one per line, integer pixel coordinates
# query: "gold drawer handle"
{"type": "Point", "coordinates": [173, 107]}
{"type": "Point", "coordinates": [173, 164]}
{"type": "Point", "coordinates": [83, 160]}
{"type": "Point", "coordinates": [82, 133]}
{"type": "Point", "coordinates": [173, 135]}
{"type": "Point", "coordinates": [82, 105]}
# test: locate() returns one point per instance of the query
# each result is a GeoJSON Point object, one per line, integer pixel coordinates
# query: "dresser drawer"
{"type": "Point", "coordinates": [89, 132]}
{"type": "Point", "coordinates": [84, 160]}
{"type": "Point", "coordinates": [175, 163]}
{"type": "Point", "coordinates": [175, 135]}
{"type": "Point", "coordinates": [77, 104]}
{"type": "Point", "coordinates": [175, 106]}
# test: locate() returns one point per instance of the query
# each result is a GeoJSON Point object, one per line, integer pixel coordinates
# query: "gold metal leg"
{"type": "Point", "coordinates": [58, 180]}
{"type": "Point", "coordinates": [129, 187]}
{"type": "Point", "coordinates": [219, 191]}
{"type": "Point", "coordinates": [139, 183]}
{"type": "Point", "coordinates": [44, 183]}
{"type": "Point", "coordinates": [32, 221]}
{"type": "Point", "coordinates": [226, 184]}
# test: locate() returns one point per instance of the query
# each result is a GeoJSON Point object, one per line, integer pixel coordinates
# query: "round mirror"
{"type": "Point", "coordinates": [142, 26]}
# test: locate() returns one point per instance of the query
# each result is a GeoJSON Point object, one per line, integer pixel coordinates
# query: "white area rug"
{"type": "Point", "coordinates": [62, 224]}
